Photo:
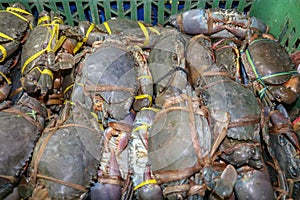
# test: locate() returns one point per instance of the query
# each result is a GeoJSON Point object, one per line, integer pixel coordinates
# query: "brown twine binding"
{"type": "Point", "coordinates": [180, 23]}
{"type": "Point", "coordinates": [10, 178]}
{"type": "Point", "coordinates": [113, 180]}
{"type": "Point", "coordinates": [175, 175]}
{"type": "Point", "coordinates": [210, 21]}
{"type": "Point", "coordinates": [41, 151]}
{"type": "Point", "coordinates": [72, 185]}
{"type": "Point", "coordinates": [28, 118]}
{"type": "Point", "coordinates": [107, 88]}
{"type": "Point", "coordinates": [195, 139]}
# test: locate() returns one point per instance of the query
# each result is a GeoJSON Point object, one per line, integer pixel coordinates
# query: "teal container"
{"type": "Point", "coordinates": [282, 16]}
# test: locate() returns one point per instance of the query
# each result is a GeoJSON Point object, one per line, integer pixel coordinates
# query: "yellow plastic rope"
{"type": "Point", "coordinates": [145, 77]}
{"type": "Point", "coordinates": [151, 181]}
{"type": "Point", "coordinates": [144, 96]}
{"type": "Point", "coordinates": [57, 20]}
{"type": "Point", "coordinates": [71, 102]}
{"type": "Point", "coordinates": [36, 68]}
{"type": "Point", "coordinates": [6, 78]}
{"type": "Point", "coordinates": [154, 30]}
{"type": "Point", "coordinates": [79, 44]}
{"type": "Point", "coordinates": [141, 127]}
{"type": "Point", "coordinates": [43, 19]}
{"type": "Point", "coordinates": [54, 33]}
{"type": "Point", "coordinates": [146, 34]}
{"type": "Point", "coordinates": [4, 53]}
{"type": "Point", "coordinates": [59, 43]}
{"type": "Point", "coordinates": [18, 10]}
{"type": "Point", "coordinates": [48, 72]}
{"type": "Point", "coordinates": [96, 116]}
{"type": "Point", "coordinates": [6, 36]}
{"type": "Point", "coordinates": [151, 108]}
{"type": "Point", "coordinates": [107, 27]}
{"type": "Point", "coordinates": [14, 10]}
{"type": "Point", "coordinates": [68, 88]}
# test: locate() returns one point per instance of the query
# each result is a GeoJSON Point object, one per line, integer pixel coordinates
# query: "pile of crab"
{"type": "Point", "coordinates": [203, 108]}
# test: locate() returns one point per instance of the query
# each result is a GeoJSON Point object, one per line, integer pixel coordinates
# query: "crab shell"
{"type": "Point", "coordinates": [268, 58]}
{"type": "Point", "coordinates": [18, 136]}
{"type": "Point", "coordinates": [70, 154]}
{"type": "Point", "coordinates": [111, 65]}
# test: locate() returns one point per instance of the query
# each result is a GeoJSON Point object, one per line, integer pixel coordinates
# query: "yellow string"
{"type": "Point", "coordinates": [79, 44]}
{"type": "Point", "coordinates": [12, 10]}
{"type": "Point", "coordinates": [54, 33]}
{"type": "Point", "coordinates": [68, 88]}
{"type": "Point", "coordinates": [145, 77]}
{"type": "Point", "coordinates": [70, 102]}
{"type": "Point", "coordinates": [48, 72]}
{"type": "Point", "coordinates": [146, 34]}
{"type": "Point", "coordinates": [151, 181]}
{"type": "Point", "coordinates": [18, 10]}
{"type": "Point", "coordinates": [59, 43]}
{"type": "Point", "coordinates": [37, 68]}
{"type": "Point", "coordinates": [6, 36]}
{"type": "Point", "coordinates": [154, 30]}
{"type": "Point", "coordinates": [107, 27]}
{"type": "Point", "coordinates": [151, 108]}
{"type": "Point", "coordinates": [4, 53]}
{"type": "Point", "coordinates": [6, 78]}
{"type": "Point", "coordinates": [141, 127]}
{"type": "Point", "coordinates": [43, 19]}
{"type": "Point", "coordinates": [144, 96]}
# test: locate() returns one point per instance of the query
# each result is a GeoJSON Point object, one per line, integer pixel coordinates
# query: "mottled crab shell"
{"type": "Point", "coordinates": [36, 42]}
{"type": "Point", "coordinates": [20, 128]}
{"type": "Point", "coordinates": [17, 139]}
{"type": "Point", "coordinates": [15, 30]}
{"type": "Point", "coordinates": [221, 94]}
{"type": "Point", "coordinates": [111, 66]}
{"type": "Point", "coordinates": [266, 57]}
{"type": "Point", "coordinates": [70, 154]}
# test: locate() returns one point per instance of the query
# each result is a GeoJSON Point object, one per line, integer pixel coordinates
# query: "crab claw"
{"type": "Point", "coordinates": [104, 191]}
{"type": "Point", "coordinates": [122, 142]}
{"type": "Point", "coordinates": [224, 186]}
{"type": "Point", "coordinates": [254, 184]}
{"type": "Point", "coordinates": [151, 190]}
{"type": "Point", "coordinates": [45, 81]}
{"type": "Point", "coordinates": [258, 24]}
{"type": "Point", "coordinates": [190, 22]}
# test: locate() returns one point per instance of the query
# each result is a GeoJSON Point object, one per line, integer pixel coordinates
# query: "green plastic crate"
{"type": "Point", "coordinates": [282, 16]}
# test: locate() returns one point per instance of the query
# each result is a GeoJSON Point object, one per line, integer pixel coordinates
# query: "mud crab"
{"type": "Point", "coordinates": [282, 152]}
{"type": "Point", "coordinates": [27, 117]}
{"type": "Point", "coordinates": [240, 145]}
{"type": "Point", "coordinates": [269, 67]}
{"type": "Point", "coordinates": [66, 157]}
{"type": "Point", "coordinates": [130, 32]}
{"type": "Point", "coordinates": [45, 54]}
{"type": "Point", "coordinates": [109, 88]}
{"type": "Point", "coordinates": [217, 23]}
{"type": "Point", "coordinates": [11, 37]}
{"type": "Point", "coordinates": [167, 65]}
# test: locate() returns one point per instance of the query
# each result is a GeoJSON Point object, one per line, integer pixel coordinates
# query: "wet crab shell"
{"type": "Point", "coordinates": [221, 94]}
{"type": "Point", "coordinates": [18, 135]}
{"type": "Point", "coordinates": [16, 142]}
{"type": "Point", "coordinates": [267, 57]}
{"type": "Point", "coordinates": [113, 65]}
{"type": "Point", "coordinates": [36, 42]}
{"type": "Point", "coordinates": [70, 154]}
{"type": "Point", "coordinates": [170, 140]}
{"type": "Point", "coordinates": [15, 30]}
